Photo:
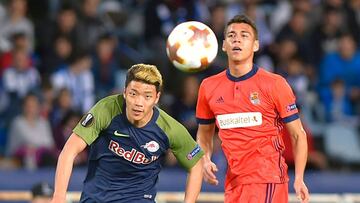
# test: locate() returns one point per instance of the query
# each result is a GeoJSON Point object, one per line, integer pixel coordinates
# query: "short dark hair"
{"type": "Point", "coordinates": [242, 19]}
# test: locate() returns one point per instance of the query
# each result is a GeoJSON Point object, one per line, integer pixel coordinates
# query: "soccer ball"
{"type": "Point", "coordinates": [191, 46]}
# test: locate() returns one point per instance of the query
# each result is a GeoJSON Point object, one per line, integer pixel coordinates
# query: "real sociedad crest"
{"type": "Point", "coordinates": [254, 98]}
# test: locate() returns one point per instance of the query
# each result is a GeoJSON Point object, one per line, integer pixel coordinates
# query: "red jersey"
{"type": "Point", "coordinates": [249, 111]}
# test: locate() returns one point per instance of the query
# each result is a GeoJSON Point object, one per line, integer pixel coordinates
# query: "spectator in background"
{"type": "Point", "coordinates": [58, 56]}
{"type": "Point", "coordinates": [343, 64]}
{"type": "Point", "coordinates": [41, 193]}
{"type": "Point", "coordinates": [19, 80]}
{"type": "Point", "coordinates": [184, 107]}
{"type": "Point", "coordinates": [65, 25]}
{"type": "Point", "coordinates": [297, 30]}
{"type": "Point", "coordinates": [297, 79]}
{"type": "Point", "coordinates": [78, 78]}
{"type": "Point", "coordinates": [91, 26]}
{"type": "Point", "coordinates": [284, 50]}
{"type": "Point", "coordinates": [105, 65]}
{"type": "Point", "coordinates": [20, 77]}
{"type": "Point", "coordinates": [16, 22]}
{"type": "Point", "coordinates": [30, 138]}
{"type": "Point", "coordinates": [352, 9]}
{"type": "Point", "coordinates": [324, 38]}
{"type": "Point", "coordinates": [338, 106]}
{"type": "Point", "coordinates": [63, 130]}
{"type": "Point", "coordinates": [19, 41]}
{"type": "Point", "coordinates": [62, 105]}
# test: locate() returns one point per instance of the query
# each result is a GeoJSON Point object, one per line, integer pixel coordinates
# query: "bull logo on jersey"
{"type": "Point", "coordinates": [254, 98]}
{"type": "Point", "coordinates": [151, 146]}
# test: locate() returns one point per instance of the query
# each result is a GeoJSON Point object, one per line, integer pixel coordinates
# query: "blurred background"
{"type": "Point", "coordinates": [58, 57]}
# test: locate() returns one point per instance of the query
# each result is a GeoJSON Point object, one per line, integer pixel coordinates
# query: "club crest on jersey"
{"type": "Point", "coordinates": [193, 153]}
{"type": "Point", "coordinates": [87, 120]}
{"type": "Point", "coordinates": [151, 146]}
{"type": "Point", "coordinates": [254, 98]}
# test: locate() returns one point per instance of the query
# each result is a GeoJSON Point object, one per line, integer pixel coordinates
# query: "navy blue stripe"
{"type": "Point", "coordinates": [273, 192]}
{"type": "Point", "coordinates": [205, 121]}
{"type": "Point", "coordinates": [248, 75]}
{"type": "Point", "coordinates": [267, 192]}
{"type": "Point", "coordinates": [290, 118]}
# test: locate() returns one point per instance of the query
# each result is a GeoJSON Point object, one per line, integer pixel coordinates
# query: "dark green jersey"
{"type": "Point", "coordinates": [124, 161]}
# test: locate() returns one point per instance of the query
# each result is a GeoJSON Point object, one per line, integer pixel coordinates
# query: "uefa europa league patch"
{"type": "Point", "coordinates": [87, 120]}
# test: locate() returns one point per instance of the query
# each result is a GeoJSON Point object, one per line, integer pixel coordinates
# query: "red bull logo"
{"type": "Point", "coordinates": [133, 156]}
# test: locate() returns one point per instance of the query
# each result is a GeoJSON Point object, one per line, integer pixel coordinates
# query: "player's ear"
{"type": "Point", "coordinates": [124, 93]}
{"type": "Point", "coordinates": [157, 97]}
{"type": "Point", "coordinates": [256, 46]}
{"type": "Point", "coordinates": [223, 46]}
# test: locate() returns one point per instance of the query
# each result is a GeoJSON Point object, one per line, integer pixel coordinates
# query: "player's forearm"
{"type": "Point", "coordinates": [300, 155]}
{"type": "Point", "coordinates": [194, 182]}
{"type": "Point", "coordinates": [63, 173]}
{"type": "Point", "coordinates": [205, 139]}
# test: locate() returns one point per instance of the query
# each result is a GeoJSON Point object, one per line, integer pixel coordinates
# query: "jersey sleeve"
{"type": "Point", "coordinates": [97, 119]}
{"type": "Point", "coordinates": [285, 101]}
{"type": "Point", "coordinates": [182, 145]}
{"type": "Point", "coordinates": [204, 115]}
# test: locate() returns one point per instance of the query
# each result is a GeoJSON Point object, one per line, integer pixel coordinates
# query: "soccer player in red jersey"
{"type": "Point", "coordinates": [250, 106]}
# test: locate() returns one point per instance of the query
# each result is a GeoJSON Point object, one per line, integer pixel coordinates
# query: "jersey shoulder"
{"type": "Point", "coordinates": [269, 76]}
{"type": "Point", "coordinates": [109, 106]}
{"type": "Point", "coordinates": [169, 125]}
{"type": "Point", "coordinates": [214, 78]}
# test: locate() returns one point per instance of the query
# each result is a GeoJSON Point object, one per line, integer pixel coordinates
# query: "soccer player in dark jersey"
{"type": "Point", "coordinates": [250, 106]}
{"type": "Point", "coordinates": [128, 136]}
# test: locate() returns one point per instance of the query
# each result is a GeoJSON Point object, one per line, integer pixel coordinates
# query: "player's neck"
{"type": "Point", "coordinates": [238, 69]}
{"type": "Point", "coordinates": [141, 123]}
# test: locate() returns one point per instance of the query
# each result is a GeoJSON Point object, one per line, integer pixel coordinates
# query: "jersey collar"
{"type": "Point", "coordinates": [244, 77]}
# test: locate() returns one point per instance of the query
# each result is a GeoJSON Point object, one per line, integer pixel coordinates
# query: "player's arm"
{"type": "Point", "coordinates": [300, 150]}
{"type": "Point", "coordinates": [193, 183]}
{"type": "Point", "coordinates": [205, 136]}
{"type": "Point", "coordinates": [72, 148]}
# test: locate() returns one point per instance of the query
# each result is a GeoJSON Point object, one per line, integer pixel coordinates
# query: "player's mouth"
{"type": "Point", "coordinates": [236, 49]}
{"type": "Point", "coordinates": [137, 111]}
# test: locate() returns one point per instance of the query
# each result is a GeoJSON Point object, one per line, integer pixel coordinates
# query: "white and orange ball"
{"type": "Point", "coordinates": [191, 46]}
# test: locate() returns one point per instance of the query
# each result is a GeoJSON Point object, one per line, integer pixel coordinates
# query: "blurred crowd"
{"type": "Point", "coordinates": [58, 57]}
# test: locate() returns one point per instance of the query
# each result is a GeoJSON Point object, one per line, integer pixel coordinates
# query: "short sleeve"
{"type": "Point", "coordinates": [284, 100]}
{"type": "Point", "coordinates": [184, 147]}
{"type": "Point", "coordinates": [204, 114]}
{"type": "Point", "coordinates": [97, 119]}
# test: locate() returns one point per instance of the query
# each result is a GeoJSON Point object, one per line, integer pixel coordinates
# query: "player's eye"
{"type": "Point", "coordinates": [244, 35]}
{"type": "Point", "coordinates": [148, 96]}
{"type": "Point", "coordinates": [231, 35]}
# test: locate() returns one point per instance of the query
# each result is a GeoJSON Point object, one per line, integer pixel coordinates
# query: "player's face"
{"type": "Point", "coordinates": [240, 42]}
{"type": "Point", "coordinates": [140, 99]}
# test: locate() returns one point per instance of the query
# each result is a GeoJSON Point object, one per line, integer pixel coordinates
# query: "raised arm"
{"type": "Point", "coordinates": [72, 148]}
{"type": "Point", "coordinates": [205, 136]}
{"type": "Point", "coordinates": [300, 150]}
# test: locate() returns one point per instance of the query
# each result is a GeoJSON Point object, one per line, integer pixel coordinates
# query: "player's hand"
{"type": "Point", "coordinates": [302, 192]}
{"type": "Point", "coordinates": [209, 173]}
